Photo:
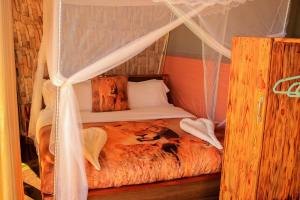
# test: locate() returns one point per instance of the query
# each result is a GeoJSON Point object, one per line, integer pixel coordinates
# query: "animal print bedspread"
{"type": "Point", "coordinates": [140, 152]}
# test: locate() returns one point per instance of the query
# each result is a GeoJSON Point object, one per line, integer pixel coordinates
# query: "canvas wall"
{"type": "Point", "coordinates": [293, 29]}
{"type": "Point", "coordinates": [183, 43]}
{"type": "Point", "coordinates": [184, 52]}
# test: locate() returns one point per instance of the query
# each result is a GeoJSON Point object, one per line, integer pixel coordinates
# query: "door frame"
{"type": "Point", "coordinates": [11, 186]}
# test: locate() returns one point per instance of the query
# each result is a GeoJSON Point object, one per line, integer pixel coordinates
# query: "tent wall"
{"type": "Point", "coordinates": [293, 28]}
{"type": "Point", "coordinates": [184, 51]}
{"type": "Point", "coordinates": [183, 43]}
{"type": "Point", "coordinates": [190, 94]}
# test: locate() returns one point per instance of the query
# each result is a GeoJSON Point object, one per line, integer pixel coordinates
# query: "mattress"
{"type": "Point", "coordinates": [160, 112]}
{"type": "Point", "coordinates": [140, 152]}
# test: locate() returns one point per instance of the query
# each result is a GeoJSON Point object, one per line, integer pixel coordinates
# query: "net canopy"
{"type": "Point", "coordinates": [85, 38]}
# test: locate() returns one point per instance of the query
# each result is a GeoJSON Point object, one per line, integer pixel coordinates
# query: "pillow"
{"type": "Point", "coordinates": [82, 90]}
{"type": "Point", "coordinates": [49, 94]}
{"type": "Point", "coordinates": [94, 140]}
{"type": "Point", "coordinates": [147, 94]}
{"type": "Point", "coordinates": [109, 93]}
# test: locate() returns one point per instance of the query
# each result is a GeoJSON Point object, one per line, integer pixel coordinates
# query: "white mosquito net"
{"type": "Point", "coordinates": [85, 38]}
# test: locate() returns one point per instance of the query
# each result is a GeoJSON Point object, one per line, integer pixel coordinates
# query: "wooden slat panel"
{"type": "Point", "coordinates": [148, 61]}
{"type": "Point", "coordinates": [27, 26]}
{"type": "Point", "coordinates": [280, 167]}
{"type": "Point", "coordinates": [244, 130]}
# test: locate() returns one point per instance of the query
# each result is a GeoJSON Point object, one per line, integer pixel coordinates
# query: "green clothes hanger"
{"type": "Point", "coordinates": [294, 89]}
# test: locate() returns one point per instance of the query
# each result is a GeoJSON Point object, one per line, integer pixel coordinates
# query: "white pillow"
{"type": "Point", "coordinates": [82, 90]}
{"type": "Point", "coordinates": [147, 94]}
{"type": "Point", "coordinates": [49, 94]}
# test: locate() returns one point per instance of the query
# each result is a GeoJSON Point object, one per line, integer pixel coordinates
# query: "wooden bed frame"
{"type": "Point", "coordinates": [192, 188]}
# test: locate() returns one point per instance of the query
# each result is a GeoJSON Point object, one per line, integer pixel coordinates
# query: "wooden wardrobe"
{"type": "Point", "coordinates": [262, 142]}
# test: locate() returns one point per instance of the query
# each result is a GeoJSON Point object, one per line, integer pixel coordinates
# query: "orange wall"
{"type": "Point", "coordinates": [187, 86]}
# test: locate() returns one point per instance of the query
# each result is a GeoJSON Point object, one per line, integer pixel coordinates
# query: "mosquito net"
{"type": "Point", "coordinates": [85, 38]}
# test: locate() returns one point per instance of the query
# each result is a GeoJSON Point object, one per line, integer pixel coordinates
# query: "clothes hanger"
{"type": "Point", "coordinates": [294, 89]}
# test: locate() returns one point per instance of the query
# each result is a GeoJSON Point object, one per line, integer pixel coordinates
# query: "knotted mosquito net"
{"type": "Point", "coordinates": [85, 38]}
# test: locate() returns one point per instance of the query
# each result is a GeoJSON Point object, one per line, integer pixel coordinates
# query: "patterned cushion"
{"type": "Point", "coordinates": [109, 93]}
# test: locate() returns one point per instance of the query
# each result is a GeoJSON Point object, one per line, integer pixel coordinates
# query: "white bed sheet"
{"type": "Point", "coordinates": [162, 112]}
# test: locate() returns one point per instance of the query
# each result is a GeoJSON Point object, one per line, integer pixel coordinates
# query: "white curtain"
{"type": "Point", "coordinates": [85, 38]}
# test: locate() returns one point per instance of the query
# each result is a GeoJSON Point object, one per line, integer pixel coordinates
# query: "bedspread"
{"type": "Point", "coordinates": [139, 152]}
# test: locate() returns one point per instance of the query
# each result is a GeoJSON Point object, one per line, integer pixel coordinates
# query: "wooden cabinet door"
{"type": "Point", "coordinates": [280, 163]}
{"type": "Point", "coordinates": [245, 117]}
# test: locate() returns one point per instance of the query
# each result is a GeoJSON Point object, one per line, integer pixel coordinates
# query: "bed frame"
{"type": "Point", "coordinates": [193, 188]}
{"type": "Point", "coordinates": [138, 78]}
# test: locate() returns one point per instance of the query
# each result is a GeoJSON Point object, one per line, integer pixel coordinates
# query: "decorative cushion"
{"type": "Point", "coordinates": [109, 93]}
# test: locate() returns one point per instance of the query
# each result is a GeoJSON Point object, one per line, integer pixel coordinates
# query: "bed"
{"type": "Point", "coordinates": [146, 151]}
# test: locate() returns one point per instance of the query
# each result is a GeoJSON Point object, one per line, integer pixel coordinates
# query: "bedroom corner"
{"type": "Point", "coordinates": [137, 116]}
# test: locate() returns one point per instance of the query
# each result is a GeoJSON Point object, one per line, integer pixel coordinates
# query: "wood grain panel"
{"type": "Point", "coordinates": [246, 108]}
{"type": "Point", "coordinates": [149, 61]}
{"type": "Point", "coordinates": [205, 189]}
{"type": "Point", "coordinates": [11, 183]}
{"type": "Point", "coordinates": [280, 166]}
